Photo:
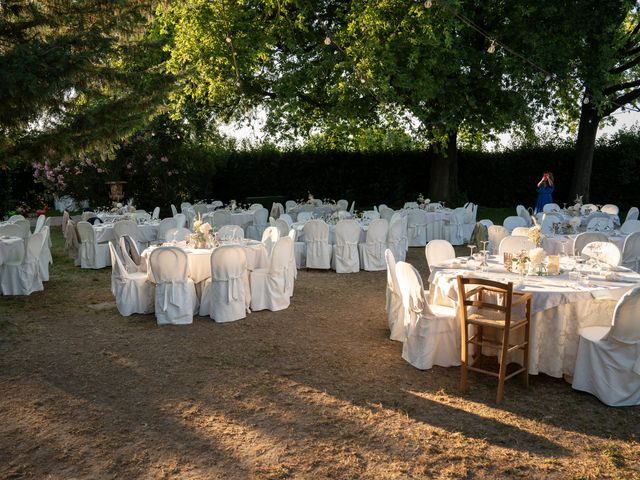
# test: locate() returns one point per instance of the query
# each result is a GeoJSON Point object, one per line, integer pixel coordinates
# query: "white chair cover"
{"type": "Point", "coordinates": [551, 207]}
{"type": "Point", "coordinates": [156, 214]}
{"type": "Point", "coordinates": [524, 213]}
{"type": "Point", "coordinates": [226, 295]}
{"type": "Point", "coordinates": [520, 232]}
{"type": "Point", "coordinates": [438, 251]}
{"type": "Point", "coordinates": [260, 222]}
{"type": "Point", "coordinates": [512, 222]}
{"type": "Point", "coordinates": [486, 222]}
{"type": "Point", "coordinates": [547, 224]}
{"type": "Point", "coordinates": [174, 210]}
{"type": "Point", "coordinates": [132, 291]}
{"type": "Point", "coordinates": [130, 256]}
{"type": "Point", "coordinates": [282, 226]}
{"type": "Point", "coordinates": [277, 210]}
{"type": "Point", "coordinates": [231, 232]}
{"type": "Point", "coordinates": [352, 210]}
{"type": "Point", "coordinates": [92, 254]}
{"type": "Point", "coordinates": [166, 224]}
{"type": "Point", "coordinates": [343, 204]}
{"type": "Point", "coordinates": [270, 286]}
{"type": "Point", "coordinates": [72, 242]}
{"type": "Point", "coordinates": [318, 250]}
{"type": "Point", "coordinates": [606, 252]}
{"type": "Point", "coordinates": [630, 226]}
{"type": "Point", "coordinates": [287, 218]}
{"type": "Point", "coordinates": [395, 311]}
{"type": "Point", "coordinates": [181, 220]}
{"type": "Point", "coordinates": [14, 230]}
{"type": "Point", "coordinates": [496, 234]}
{"type": "Point", "coordinates": [372, 251]}
{"type": "Point", "coordinates": [432, 333]}
{"type": "Point", "coordinates": [177, 234]}
{"type": "Point", "coordinates": [417, 227]}
{"type": "Point", "coordinates": [175, 295]}
{"type": "Point", "coordinates": [453, 229]}
{"type": "Point", "coordinates": [398, 238]}
{"type": "Point", "coordinates": [599, 224]}
{"type": "Point", "coordinates": [39, 223]}
{"type": "Point", "coordinates": [45, 258]}
{"type": "Point", "coordinates": [515, 244]}
{"type": "Point", "coordinates": [386, 213]}
{"type": "Point", "coordinates": [184, 206]}
{"type": "Point", "coordinates": [588, 208]}
{"type": "Point", "coordinates": [87, 215]}
{"type": "Point", "coordinates": [345, 251]}
{"type": "Point", "coordinates": [411, 205]}
{"type": "Point", "coordinates": [256, 206]}
{"type": "Point", "coordinates": [305, 216]}
{"type": "Point", "coordinates": [220, 218]}
{"type": "Point", "coordinates": [631, 252]}
{"type": "Point", "coordinates": [142, 215]}
{"type": "Point", "coordinates": [608, 359]}
{"type": "Point", "coordinates": [289, 205]}
{"type": "Point", "coordinates": [610, 208]}
{"type": "Point", "coordinates": [269, 237]}
{"type": "Point", "coordinates": [583, 239]}
{"type": "Point", "coordinates": [632, 214]}
{"type": "Point", "coordinates": [22, 275]}
{"type": "Point", "coordinates": [127, 227]}
{"type": "Point", "coordinates": [371, 215]}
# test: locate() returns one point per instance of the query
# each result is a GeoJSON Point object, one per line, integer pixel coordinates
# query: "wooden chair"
{"type": "Point", "coordinates": [493, 311]}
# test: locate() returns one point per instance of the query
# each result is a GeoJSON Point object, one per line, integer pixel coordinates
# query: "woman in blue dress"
{"type": "Point", "coordinates": [545, 189]}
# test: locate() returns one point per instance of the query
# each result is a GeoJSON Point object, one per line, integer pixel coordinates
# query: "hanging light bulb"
{"type": "Point", "coordinates": [492, 47]}
{"type": "Point", "coordinates": [428, 4]}
{"type": "Point", "coordinates": [585, 100]}
{"type": "Point", "coordinates": [327, 40]}
{"type": "Point", "coordinates": [228, 39]}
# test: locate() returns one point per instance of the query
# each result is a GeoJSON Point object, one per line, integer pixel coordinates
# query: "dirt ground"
{"type": "Point", "coordinates": [315, 391]}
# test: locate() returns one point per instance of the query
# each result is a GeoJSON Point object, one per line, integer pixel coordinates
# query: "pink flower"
{"type": "Point", "coordinates": [129, 165]}
{"type": "Point", "coordinates": [99, 170]}
{"type": "Point", "coordinates": [164, 159]}
{"type": "Point", "coordinates": [149, 156]}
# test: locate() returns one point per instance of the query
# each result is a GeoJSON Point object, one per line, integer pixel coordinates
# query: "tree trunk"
{"type": "Point", "coordinates": [585, 144]}
{"type": "Point", "coordinates": [443, 181]}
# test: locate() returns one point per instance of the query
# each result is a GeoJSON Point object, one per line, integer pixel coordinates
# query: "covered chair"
{"type": "Point", "coordinates": [270, 286]}
{"type": "Point", "coordinates": [386, 213]}
{"type": "Point", "coordinates": [45, 254]}
{"type": "Point", "coordinates": [174, 210]}
{"type": "Point", "coordinates": [22, 275]}
{"type": "Point", "coordinates": [524, 214]}
{"type": "Point", "coordinates": [277, 210]}
{"type": "Point", "coordinates": [584, 238]}
{"type": "Point", "coordinates": [177, 234]}
{"type": "Point", "coordinates": [514, 244]}
{"type": "Point", "coordinates": [231, 232]}
{"type": "Point", "coordinates": [395, 311]}
{"type": "Point", "coordinates": [551, 207]}
{"type": "Point", "coordinates": [72, 242]}
{"type": "Point", "coordinates": [438, 251]}
{"type": "Point", "coordinates": [39, 223]}
{"type": "Point", "coordinates": [269, 237]}
{"type": "Point", "coordinates": [92, 254]}
{"type": "Point", "coordinates": [181, 220]}
{"type": "Point", "coordinates": [318, 250]}
{"type": "Point", "coordinates": [342, 204]}
{"type": "Point", "coordinates": [289, 205]}
{"type": "Point", "coordinates": [372, 251]}
{"type": "Point", "coordinates": [282, 226]}
{"type": "Point", "coordinates": [220, 218]}
{"type": "Point", "coordinates": [610, 208]}
{"type": "Point", "coordinates": [287, 218]}
{"type": "Point", "coordinates": [632, 214]}
{"type": "Point", "coordinates": [260, 222]}
{"type": "Point", "coordinates": [520, 232]}
{"type": "Point", "coordinates": [132, 291]}
{"type": "Point", "coordinates": [397, 238]}
{"type": "Point", "coordinates": [630, 226]}
{"type": "Point", "coordinates": [13, 230]}
{"type": "Point", "coordinates": [130, 256]}
{"type": "Point", "coordinates": [608, 359]}
{"type": "Point", "coordinates": [454, 228]}
{"type": "Point", "coordinates": [605, 252]}
{"type": "Point", "coordinates": [226, 296]}
{"type": "Point", "coordinates": [175, 295]}
{"type": "Point", "coordinates": [305, 216]}
{"type": "Point", "coordinates": [130, 228]}
{"type": "Point", "coordinates": [156, 214]}
{"type": "Point", "coordinates": [432, 332]}
{"type": "Point", "coordinates": [548, 224]}
{"type": "Point", "coordinates": [166, 224]}
{"type": "Point", "coordinates": [417, 227]}
{"type": "Point", "coordinates": [631, 252]}
{"type": "Point", "coordinates": [496, 234]}
{"type": "Point", "coordinates": [512, 222]}
{"type": "Point", "coordinates": [600, 224]}
{"type": "Point", "coordinates": [471, 215]}
{"type": "Point", "coordinates": [345, 251]}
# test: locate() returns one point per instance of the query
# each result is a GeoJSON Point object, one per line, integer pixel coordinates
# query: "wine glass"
{"type": "Point", "coordinates": [471, 247]}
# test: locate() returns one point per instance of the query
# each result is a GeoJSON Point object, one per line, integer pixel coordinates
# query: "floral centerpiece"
{"type": "Point", "coordinates": [423, 202]}
{"type": "Point", "coordinates": [520, 262]}
{"type": "Point", "coordinates": [310, 198]}
{"type": "Point", "coordinates": [535, 235]}
{"type": "Point", "coordinates": [536, 258]}
{"type": "Point", "coordinates": [201, 236]}
{"type": "Point", "coordinates": [232, 205]}
{"type": "Point", "coordinates": [578, 201]}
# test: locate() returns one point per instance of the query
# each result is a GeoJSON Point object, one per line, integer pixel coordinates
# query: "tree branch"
{"type": "Point", "coordinates": [622, 100]}
{"type": "Point", "coordinates": [625, 66]}
{"type": "Point", "coordinates": [621, 86]}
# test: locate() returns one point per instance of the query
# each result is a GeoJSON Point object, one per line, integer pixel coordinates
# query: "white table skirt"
{"type": "Point", "coordinates": [299, 228]}
{"type": "Point", "coordinates": [552, 244]}
{"type": "Point", "coordinates": [199, 260]}
{"type": "Point", "coordinates": [558, 312]}
{"type": "Point", "coordinates": [104, 232]}
{"type": "Point", "coordinates": [11, 249]}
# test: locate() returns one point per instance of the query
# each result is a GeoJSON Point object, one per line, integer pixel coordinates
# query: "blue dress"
{"type": "Point", "coordinates": [544, 196]}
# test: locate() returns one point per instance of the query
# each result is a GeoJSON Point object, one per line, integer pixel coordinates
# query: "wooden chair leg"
{"type": "Point", "coordinates": [464, 355]}
{"type": "Point", "coordinates": [503, 365]}
{"type": "Point", "coordinates": [527, 329]}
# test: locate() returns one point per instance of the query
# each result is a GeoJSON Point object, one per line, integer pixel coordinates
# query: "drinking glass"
{"type": "Point", "coordinates": [471, 247]}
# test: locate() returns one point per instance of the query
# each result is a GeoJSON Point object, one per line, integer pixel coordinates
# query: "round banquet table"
{"type": "Point", "coordinates": [299, 228]}
{"type": "Point", "coordinates": [148, 232]}
{"type": "Point", "coordinates": [11, 249]}
{"type": "Point", "coordinates": [199, 259]}
{"type": "Point", "coordinates": [552, 244]}
{"type": "Point", "coordinates": [559, 308]}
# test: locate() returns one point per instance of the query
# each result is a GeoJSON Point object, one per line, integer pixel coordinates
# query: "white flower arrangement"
{"type": "Point", "coordinates": [536, 256]}
{"type": "Point", "coordinates": [535, 235]}
{"type": "Point", "coordinates": [575, 223]}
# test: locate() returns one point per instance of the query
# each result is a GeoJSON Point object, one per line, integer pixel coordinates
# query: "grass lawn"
{"type": "Point", "coordinates": [314, 391]}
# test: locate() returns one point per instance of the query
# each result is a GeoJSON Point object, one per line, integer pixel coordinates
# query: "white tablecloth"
{"type": "Point", "coordinates": [11, 248]}
{"type": "Point", "coordinates": [552, 244]}
{"type": "Point", "coordinates": [558, 310]}
{"type": "Point", "coordinates": [200, 259]}
{"type": "Point", "coordinates": [299, 228]}
{"type": "Point", "coordinates": [104, 232]}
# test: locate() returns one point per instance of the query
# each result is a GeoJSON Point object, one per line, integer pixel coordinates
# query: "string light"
{"type": "Point", "coordinates": [327, 40]}
{"type": "Point", "coordinates": [585, 100]}
{"type": "Point", "coordinates": [428, 4]}
{"type": "Point", "coordinates": [228, 39]}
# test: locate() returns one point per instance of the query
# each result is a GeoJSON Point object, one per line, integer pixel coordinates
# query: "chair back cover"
{"type": "Point", "coordinates": [181, 220]}
{"type": "Point", "coordinates": [277, 209]}
{"type": "Point", "coordinates": [126, 227]}
{"type": "Point", "coordinates": [130, 254]}
{"type": "Point", "coordinates": [524, 213]}
{"type": "Point", "coordinates": [34, 247]}
{"type": "Point", "coordinates": [305, 216]}
{"type": "Point", "coordinates": [177, 234]}
{"type": "Point", "coordinates": [486, 222]}
{"type": "Point", "coordinates": [282, 226]}
{"type": "Point", "coordinates": [231, 232]}
{"type": "Point", "coordinates": [610, 208]}
{"type": "Point", "coordinates": [287, 218]}
{"type": "Point", "coordinates": [156, 214]}
{"type": "Point", "coordinates": [520, 232]}
{"type": "Point", "coordinates": [87, 215]}
{"type": "Point", "coordinates": [174, 210]}
{"type": "Point", "coordinates": [199, 209]}
{"type": "Point", "coordinates": [479, 234]}
{"type": "Point", "coordinates": [39, 223]}
{"type": "Point", "coordinates": [371, 215]}
{"type": "Point", "coordinates": [168, 264]}
{"type": "Point", "coordinates": [13, 230]}
{"type": "Point", "coordinates": [512, 222]}
{"type": "Point", "coordinates": [346, 259]}
{"type": "Point", "coordinates": [606, 252]}
{"type": "Point", "coordinates": [230, 296]}
{"type": "Point", "coordinates": [631, 252]}
{"type": "Point", "coordinates": [411, 205]}
{"type": "Point", "coordinates": [632, 214]}
{"type": "Point", "coordinates": [514, 244]}
{"type": "Point", "coordinates": [343, 204]}
{"type": "Point", "coordinates": [386, 213]}
{"type": "Point", "coordinates": [438, 251]}
{"type": "Point", "coordinates": [220, 218]}
{"type": "Point", "coordinates": [599, 224]}
{"type": "Point", "coordinates": [166, 224]}
{"type": "Point", "coordinates": [289, 204]}
{"type": "Point", "coordinates": [630, 226]}
{"type": "Point", "coordinates": [625, 325]}
{"type": "Point", "coordinates": [587, 237]}
{"type": "Point", "coordinates": [377, 236]}
{"type": "Point", "coordinates": [256, 206]}
{"type": "Point", "coordinates": [184, 206]}
{"type": "Point", "coordinates": [316, 237]}
{"type": "Point", "coordinates": [397, 238]}
{"type": "Point", "coordinates": [260, 216]}
{"type": "Point", "coordinates": [588, 208]}
{"type": "Point", "coordinates": [496, 234]}
{"type": "Point", "coordinates": [176, 298]}
{"type": "Point", "coordinates": [551, 207]}
{"type": "Point", "coordinates": [269, 237]}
